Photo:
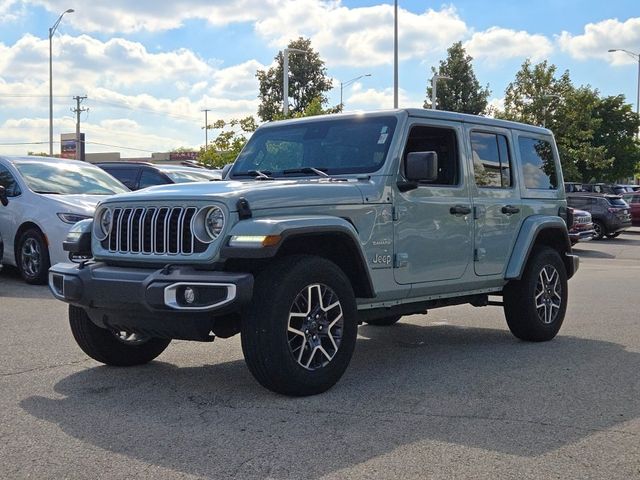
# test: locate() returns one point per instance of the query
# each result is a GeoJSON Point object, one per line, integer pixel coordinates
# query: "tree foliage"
{"type": "Point", "coordinates": [308, 82]}
{"type": "Point", "coordinates": [595, 135]}
{"type": "Point", "coordinates": [463, 92]}
{"type": "Point", "coordinates": [227, 145]}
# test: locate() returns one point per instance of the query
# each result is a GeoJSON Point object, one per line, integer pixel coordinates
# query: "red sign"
{"type": "Point", "coordinates": [183, 155]}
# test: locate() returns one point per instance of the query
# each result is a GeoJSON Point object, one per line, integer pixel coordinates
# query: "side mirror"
{"type": "Point", "coordinates": [3, 196]}
{"type": "Point", "coordinates": [421, 166]}
{"type": "Point", "coordinates": [226, 169]}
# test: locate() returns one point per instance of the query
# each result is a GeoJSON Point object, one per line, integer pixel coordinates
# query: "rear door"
{"type": "Point", "coordinates": [497, 204]}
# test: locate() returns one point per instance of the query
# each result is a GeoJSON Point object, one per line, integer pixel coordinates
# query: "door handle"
{"type": "Point", "coordinates": [460, 210]}
{"type": "Point", "coordinates": [510, 209]}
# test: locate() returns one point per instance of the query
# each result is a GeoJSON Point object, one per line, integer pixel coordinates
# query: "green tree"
{"type": "Point", "coordinates": [308, 81]}
{"type": "Point", "coordinates": [463, 92]}
{"type": "Point", "coordinates": [535, 94]}
{"type": "Point", "coordinates": [227, 145]}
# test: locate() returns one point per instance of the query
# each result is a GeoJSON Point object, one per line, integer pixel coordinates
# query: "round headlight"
{"type": "Point", "coordinates": [214, 222]}
{"type": "Point", "coordinates": [104, 219]}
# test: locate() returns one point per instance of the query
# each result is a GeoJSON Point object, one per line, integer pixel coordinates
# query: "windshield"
{"type": "Point", "coordinates": [68, 179]}
{"type": "Point", "coordinates": [182, 176]}
{"type": "Point", "coordinates": [617, 202]}
{"type": "Point", "coordinates": [355, 145]}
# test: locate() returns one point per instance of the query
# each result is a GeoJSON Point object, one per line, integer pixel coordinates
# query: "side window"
{"type": "Point", "coordinates": [491, 162]}
{"type": "Point", "coordinates": [8, 182]}
{"type": "Point", "coordinates": [443, 141]}
{"type": "Point", "coordinates": [538, 164]}
{"type": "Point", "coordinates": [126, 176]}
{"type": "Point", "coordinates": [150, 178]}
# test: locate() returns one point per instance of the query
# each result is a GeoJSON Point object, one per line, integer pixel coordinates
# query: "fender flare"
{"type": "Point", "coordinates": [532, 227]}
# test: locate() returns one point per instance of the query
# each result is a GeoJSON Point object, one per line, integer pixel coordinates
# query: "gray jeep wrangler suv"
{"type": "Point", "coordinates": [321, 224]}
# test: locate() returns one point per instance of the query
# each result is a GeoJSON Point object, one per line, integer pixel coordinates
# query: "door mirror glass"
{"type": "Point", "coordinates": [422, 166]}
{"type": "Point", "coordinates": [3, 196]}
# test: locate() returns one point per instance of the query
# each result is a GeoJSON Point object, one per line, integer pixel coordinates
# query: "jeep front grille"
{"type": "Point", "coordinates": [153, 231]}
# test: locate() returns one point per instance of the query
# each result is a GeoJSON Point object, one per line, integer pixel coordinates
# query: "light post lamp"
{"type": "Point", "coordinates": [395, 54]}
{"type": "Point", "coordinates": [52, 30]}
{"type": "Point", "coordinates": [637, 57]}
{"type": "Point", "coordinates": [349, 82]}
{"type": "Point", "coordinates": [434, 87]}
{"type": "Point", "coordinates": [285, 78]}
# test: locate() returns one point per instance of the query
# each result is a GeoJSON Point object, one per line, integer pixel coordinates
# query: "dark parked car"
{"type": "Point", "coordinates": [573, 187]}
{"type": "Point", "coordinates": [604, 188]}
{"type": "Point", "coordinates": [137, 175]}
{"type": "Point", "coordinates": [581, 228]}
{"type": "Point", "coordinates": [633, 199]}
{"type": "Point", "coordinates": [610, 213]}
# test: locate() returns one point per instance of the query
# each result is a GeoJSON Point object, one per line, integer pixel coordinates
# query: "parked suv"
{"type": "Point", "coordinates": [610, 213]}
{"type": "Point", "coordinates": [324, 223]}
{"type": "Point", "coordinates": [137, 175]}
{"type": "Point", "coordinates": [633, 200]}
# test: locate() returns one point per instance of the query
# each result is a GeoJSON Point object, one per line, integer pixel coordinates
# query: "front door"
{"type": "Point", "coordinates": [433, 222]}
{"type": "Point", "coordinates": [497, 205]}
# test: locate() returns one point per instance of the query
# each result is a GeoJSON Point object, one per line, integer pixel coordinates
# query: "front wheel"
{"type": "Point", "coordinates": [33, 257]}
{"type": "Point", "coordinates": [535, 305]}
{"type": "Point", "coordinates": [117, 348]}
{"type": "Point", "coordinates": [599, 229]}
{"type": "Point", "coordinates": [300, 331]}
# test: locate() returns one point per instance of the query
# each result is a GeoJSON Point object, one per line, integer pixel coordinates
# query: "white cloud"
{"type": "Point", "coordinates": [372, 99]}
{"type": "Point", "coordinates": [602, 36]}
{"type": "Point", "coordinates": [497, 44]}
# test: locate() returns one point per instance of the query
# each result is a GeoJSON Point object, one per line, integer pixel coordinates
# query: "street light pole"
{"type": "Point", "coordinates": [349, 82]}
{"type": "Point", "coordinates": [434, 87]}
{"type": "Point", "coordinates": [546, 96]}
{"type": "Point", "coordinates": [52, 30]}
{"type": "Point", "coordinates": [395, 54]}
{"type": "Point", "coordinates": [637, 57]}
{"type": "Point", "coordinates": [285, 78]}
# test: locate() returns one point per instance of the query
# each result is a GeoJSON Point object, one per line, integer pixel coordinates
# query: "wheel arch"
{"type": "Point", "coordinates": [23, 228]}
{"type": "Point", "coordinates": [536, 231]}
{"type": "Point", "coordinates": [332, 238]}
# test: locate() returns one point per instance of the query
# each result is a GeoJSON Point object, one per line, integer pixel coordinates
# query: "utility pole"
{"type": "Point", "coordinates": [206, 129]}
{"type": "Point", "coordinates": [78, 110]}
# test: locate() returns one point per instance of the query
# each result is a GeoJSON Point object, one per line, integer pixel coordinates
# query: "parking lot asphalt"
{"type": "Point", "coordinates": [450, 394]}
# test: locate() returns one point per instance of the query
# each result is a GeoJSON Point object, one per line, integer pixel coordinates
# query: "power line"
{"type": "Point", "coordinates": [17, 144]}
{"type": "Point", "coordinates": [149, 110]}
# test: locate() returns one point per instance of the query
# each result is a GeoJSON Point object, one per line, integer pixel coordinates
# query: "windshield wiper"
{"type": "Point", "coordinates": [44, 192]}
{"type": "Point", "coordinates": [257, 174]}
{"type": "Point", "coordinates": [317, 171]}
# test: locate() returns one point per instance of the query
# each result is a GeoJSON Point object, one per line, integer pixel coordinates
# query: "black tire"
{"type": "Point", "coordinates": [613, 235]}
{"type": "Point", "coordinates": [104, 345]}
{"type": "Point", "coordinates": [525, 320]}
{"type": "Point", "coordinates": [385, 321]}
{"type": "Point", "coordinates": [278, 302]}
{"type": "Point", "coordinates": [32, 257]}
{"type": "Point", "coordinates": [600, 230]}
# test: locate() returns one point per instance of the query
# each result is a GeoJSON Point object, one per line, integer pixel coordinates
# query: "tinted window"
{"type": "Point", "coordinates": [128, 176]}
{"type": "Point", "coordinates": [538, 165]}
{"type": "Point", "coordinates": [8, 182]}
{"type": "Point", "coordinates": [491, 162]}
{"type": "Point", "coordinates": [617, 202]}
{"type": "Point", "coordinates": [577, 202]}
{"type": "Point", "coordinates": [356, 145]}
{"type": "Point", "coordinates": [443, 142]}
{"type": "Point", "coordinates": [150, 178]}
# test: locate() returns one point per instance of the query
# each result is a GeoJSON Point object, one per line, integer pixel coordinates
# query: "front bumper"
{"type": "Point", "coordinates": [152, 301]}
{"type": "Point", "coordinates": [582, 235]}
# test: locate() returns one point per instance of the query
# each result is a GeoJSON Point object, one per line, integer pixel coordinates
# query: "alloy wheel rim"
{"type": "Point", "coordinates": [130, 338]}
{"type": "Point", "coordinates": [315, 326]}
{"type": "Point", "coordinates": [597, 229]}
{"type": "Point", "coordinates": [548, 296]}
{"type": "Point", "coordinates": [30, 257]}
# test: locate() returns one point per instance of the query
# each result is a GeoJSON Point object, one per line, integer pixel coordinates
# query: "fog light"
{"type": "Point", "coordinates": [189, 295]}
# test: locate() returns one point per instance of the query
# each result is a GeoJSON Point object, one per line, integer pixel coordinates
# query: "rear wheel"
{"type": "Point", "coordinates": [600, 230]}
{"type": "Point", "coordinates": [117, 348]}
{"type": "Point", "coordinates": [535, 305]}
{"type": "Point", "coordinates": [385, 321]}
{"type": "Point", "coordinates": [300, 331]}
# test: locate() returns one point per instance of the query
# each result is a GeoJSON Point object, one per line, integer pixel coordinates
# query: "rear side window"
{"type": "Point", "coordinates": [538, 165]}
{"type": "Point", "coordinates": [127, 176]}
{"type": "Point", "coordinates": [491, 162]}
{"type": "Point", "coordinates": [8, 182]}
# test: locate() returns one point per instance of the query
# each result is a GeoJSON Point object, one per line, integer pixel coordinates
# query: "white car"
{"type": "Point", "coordinates": [46, 196]}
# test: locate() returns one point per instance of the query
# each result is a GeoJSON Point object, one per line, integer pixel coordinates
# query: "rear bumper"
{"type": "Point", "coordinates": [149, 300]}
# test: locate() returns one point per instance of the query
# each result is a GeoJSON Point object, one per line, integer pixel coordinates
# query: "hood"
{"type": "Point", "coordinates": [82, 204]}
{"type": "Point", "coordinates": [260, 194]}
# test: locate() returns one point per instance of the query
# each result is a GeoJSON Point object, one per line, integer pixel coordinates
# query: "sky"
{"type": "Point", "coordinates": [149, 68]}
